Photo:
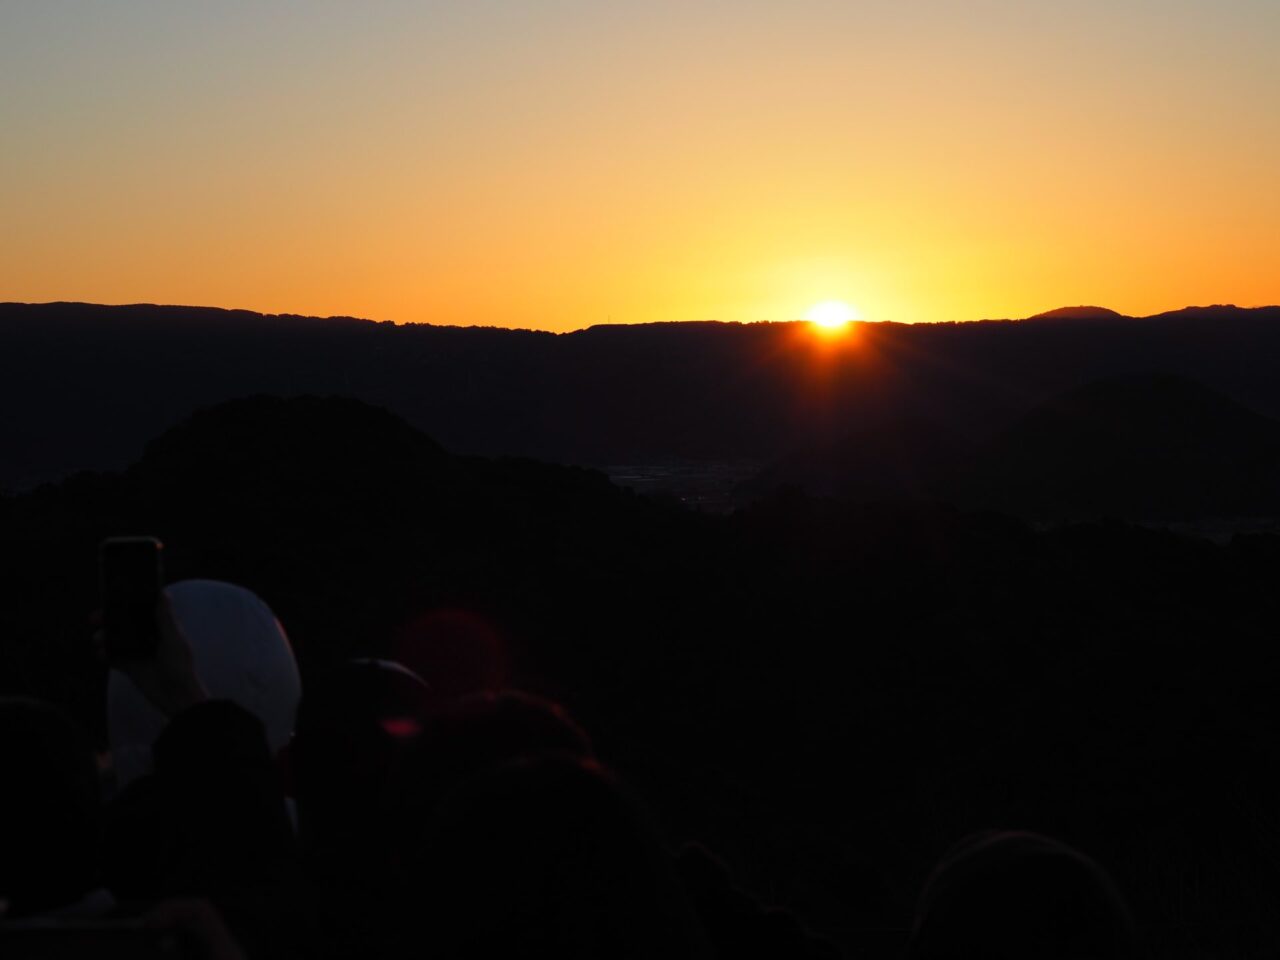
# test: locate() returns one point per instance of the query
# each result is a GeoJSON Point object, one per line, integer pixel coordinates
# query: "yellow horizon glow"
{"type": "Point", "coordinates": [530, 165]}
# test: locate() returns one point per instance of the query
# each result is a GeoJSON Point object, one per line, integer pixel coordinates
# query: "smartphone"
{"type": "Point", "coordinates": [82, 940]}
{"type": "Point", "coordinates": [132, 577]}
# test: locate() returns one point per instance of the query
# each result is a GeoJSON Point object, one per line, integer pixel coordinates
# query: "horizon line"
{"type": "Point", "coordinates": [1065, 311]}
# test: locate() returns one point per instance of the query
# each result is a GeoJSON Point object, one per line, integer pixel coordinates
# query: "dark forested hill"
{"type": "Point", "coordinates": [1153, 447]}
{"type": "Point", "coordinates": [1140, 447]}
{"type": "Point", "coordinates": [828, 695]}
{"type": "Point", "coordinates": [85, 386]}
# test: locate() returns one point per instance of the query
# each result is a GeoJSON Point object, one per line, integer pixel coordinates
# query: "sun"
{"type": "Point", "coordinates": [831, 314]}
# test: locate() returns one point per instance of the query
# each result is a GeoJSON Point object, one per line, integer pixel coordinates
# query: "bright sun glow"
{"type": "Point", "coordinates": [831, 314]}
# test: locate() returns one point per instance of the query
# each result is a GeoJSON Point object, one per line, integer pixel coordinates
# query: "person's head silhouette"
{"type": "Point", "coordinates": [547, 857]}
{"type": "Point", "coordinates": [1014, 895]}
{"type": "Point", "coordinates": [357, 724]}
{"type": "Point", "coordinates": [470, 734]}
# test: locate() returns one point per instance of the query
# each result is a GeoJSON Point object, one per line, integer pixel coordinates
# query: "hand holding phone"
{"type": "Point", "coordinates": [167, 678]}
{"type": "Point", "coordinates": [141, 635]}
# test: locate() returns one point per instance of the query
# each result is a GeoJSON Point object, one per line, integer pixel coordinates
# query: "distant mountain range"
{"type": "Point", "coordinates": [85, 387]}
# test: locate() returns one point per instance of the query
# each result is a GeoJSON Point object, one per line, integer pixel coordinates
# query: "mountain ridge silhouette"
{"type": "Point", "coordinates": [1088, 312]}
{"type": "Point", "coordinates": [86, 386]}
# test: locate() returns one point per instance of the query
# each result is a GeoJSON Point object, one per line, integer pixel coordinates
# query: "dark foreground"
{"type": "Point", "coordinates": [826, 696]}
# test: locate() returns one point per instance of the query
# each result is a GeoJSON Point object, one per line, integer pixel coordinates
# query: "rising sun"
{"type": "Point", "coordinates": [831, 314]}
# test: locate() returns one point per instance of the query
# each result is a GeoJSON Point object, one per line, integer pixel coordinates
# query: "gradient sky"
{"type": "Point", "coordinates": [556, 164]}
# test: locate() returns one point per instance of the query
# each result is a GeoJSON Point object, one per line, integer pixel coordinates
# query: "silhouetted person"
{"type": "Point", "coordinates": [468, 735]}
{"type": "Point", "coordinates": [374, 754]}
{"type": "Point", "coordinates": [356, 726]}
{"type": "Point", "coordinates": [1020, 896]}
{"type": "Point", "coordinates": [202, 812]}
{"type": "Point", "coordinates": [210, 819]}
{"type": "Point", "coordinates": [49, 813]}
{"type": "Point", "coordinates": [235, 649]}
{"type": "Point", "coordinates": [356, 731]}
{"type": "Point", "coordinates": [543, 858]}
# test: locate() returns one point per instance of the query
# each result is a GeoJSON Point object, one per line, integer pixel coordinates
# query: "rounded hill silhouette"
{"type": "Point", "coordinates": [1079, 313]}
{"type": "Point", "coordinates": [345, 503]}
{"type": "Point", "coordinates": [270, 442]}
{"type": "Point", "coordinates": [309, 456]}
{"type": "Point", "coordinates": [1141, 447]}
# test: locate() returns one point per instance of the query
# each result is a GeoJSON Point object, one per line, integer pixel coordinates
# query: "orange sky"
{"type": "Point", "coordinates": [559, 164]}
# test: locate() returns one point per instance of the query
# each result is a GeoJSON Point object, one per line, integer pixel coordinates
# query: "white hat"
{"type": "Point", "coordinates": [240, 653]}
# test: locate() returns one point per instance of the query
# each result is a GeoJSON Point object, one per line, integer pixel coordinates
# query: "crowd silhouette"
{"type": "Point", "coordinates": [366, 813]}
